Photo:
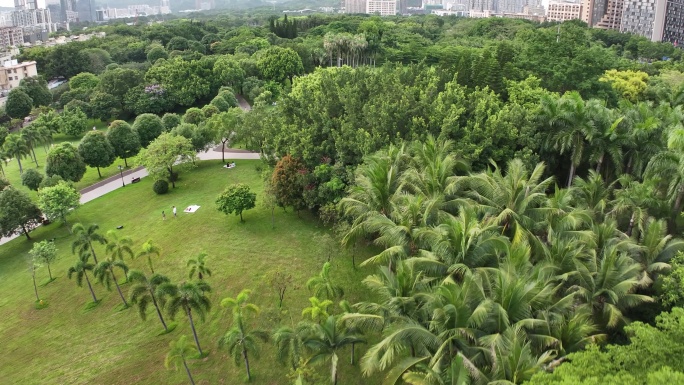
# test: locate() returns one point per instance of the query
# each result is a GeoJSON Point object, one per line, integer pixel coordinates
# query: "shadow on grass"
{"type": "Point", "coordinates": [121, 307]}
{"type": "Point", "coordinates": [170, 327]}
{"type": "Point", "coordinates": [47, 282]}
{"type": "Point", "coordinates": [204, 354]}
{"type": "Point", "coordinates": [91, 305]}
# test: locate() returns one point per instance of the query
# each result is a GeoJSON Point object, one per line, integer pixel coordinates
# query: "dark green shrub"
{"type": "Point", "coordinates": [161, 187]}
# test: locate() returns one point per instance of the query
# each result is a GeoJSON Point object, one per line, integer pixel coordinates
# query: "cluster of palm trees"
{"type": "Point", "coordinates": [642, 140]}
{"type": "Point", "coordinates": [346, 49]}
{"type": "Point", "coordinates": [21, 145]}
{"type": "Point", "coordinates": [492, 276]}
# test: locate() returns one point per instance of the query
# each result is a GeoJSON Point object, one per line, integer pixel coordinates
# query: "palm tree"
{"type": "Point", "coordinates": [179, 351]}
{"type": "Point", "coordinates": [149, 249]}
{"type": "Point", "coordinates": [571, 121]}
{"type": "Point", "coordinates": [198, 266]}
{"type": "Point", "coordinates": [188, 296]}
{"type": "Point", "coordinates": [322, 287]}
{"type": "Point", "coordinates": [592, 193]}
{"type": "Point", "coordinates": [606, 287]}
{"type": "Point", "coordinates": [15, 147]}
{"type": "Point", "coordinates": [81, 269]}
{"type": "Point", "coordinates": [318, 309]}
{"type": "Point", "coordinates": [645, 136]}
{"type": "Point", "coordinates": [656, 250]}
{"type": "Point", "coordinates": [241, 342]}
{"type": "Point", "coordinates": [635, 199]}
{"type": "Point", "coordinates": [289, 344]}
{"type": "Point", "coordinates": [117, 247]}
{"type": "Point", "coordinates": [326, 339]}
{"type": "Point", "coordinates": [104, 271]}
{"type": "Point", "coordinates": [146, 290]}
{"type": "Point", "coordinates": [85, 237]}
{"type": "Point", "coordinates": [31, 136]}
{"type": "Point", "coordinates": [517, 200]}
{"type": "Point", "coordinates": [3, 161]}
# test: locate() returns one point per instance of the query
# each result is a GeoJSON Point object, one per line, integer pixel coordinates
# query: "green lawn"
{"type": "Point", "coordinates": [65, 344]}
{"type": "Point", "coordinates": [90, 177]}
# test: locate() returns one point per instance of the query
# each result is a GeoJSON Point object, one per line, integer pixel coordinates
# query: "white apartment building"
{"type": "Point", "coordinates": [382, 7]}
{"type": "Point", "coordinates": [12, 72]}
{"type": "Point", "coordinates": [563, 11]}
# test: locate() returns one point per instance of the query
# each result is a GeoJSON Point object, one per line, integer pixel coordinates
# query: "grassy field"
{"type": "Point", "coordinates": [90, 177]}
{"type": "Point", "coordinates": [66, 344]}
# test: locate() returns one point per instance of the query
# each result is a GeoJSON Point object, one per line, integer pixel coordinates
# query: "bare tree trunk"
{"type": "Point", "coordinates": [49, 272]}
{"type": "Point", "coordinates": [631, 225]}
{"type": "Point", "coordinates": [21, 170]}
{"type": "Point", "coordinates": [90, 287]}
{"type": "Point", "coordinates": [223, 151]}
{"type": "Point", "coordinates": [26, 233]}
{"type": "Point", "coordinates": [126, 162]}
{"type": "Point", "coordinates": [187, 370]}
{"type": "Point", "coordinates": [98, 172]}
{"type": "Point", "coordinates": [35, 287]}
{"type": "Point", "coordinates": [156, 306]}
{"type": "Point", "coordinates": [117, 287]}
{"type": "Point", "coordinates": [194, 332]}
{"type": "Point", "coordinates": [34, 156]}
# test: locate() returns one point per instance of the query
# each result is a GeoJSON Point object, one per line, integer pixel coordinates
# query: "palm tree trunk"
{"type": "Point", "coordinates": [149, 262]}
{"type": "Point", "coordinates": [34, 156]}
{"type": "Point", "coordinates": [600, 163]}
{"type": "Point", "coordinates": [156, 306]}
{"type": "Point", "coordinates": [352, 353]}
{"type": "Point", "coordinates": [631, 225]}
{"type": "Point", "coordinates": [118, 288]}
{"type": "Point", "coordinates": [223, 151]}
{"type": "Point", "coordinates": [572, 174]}
{"type": "Point", "coordinates": [194, 332]}
{"type": "Point", "coordinates": [35, 287]}
{"type": "Point", "coordinates": [91, 248]}
{"type": "Point", "coordinates": [244, 354]}
{"type": "Point", "coordinates": [677, 209]}
{"type": "Point", "coordinates": [90, 287]}
{"type": "Point", "coordinates": [187, 370]}
{"type": "Point", "coordinates": [21, 170]}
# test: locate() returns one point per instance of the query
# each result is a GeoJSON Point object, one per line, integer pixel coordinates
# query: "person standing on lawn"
{"type": "Point", "coordinates": [163, 215]}
{"type": "Point", "coordinates": [174, 211]}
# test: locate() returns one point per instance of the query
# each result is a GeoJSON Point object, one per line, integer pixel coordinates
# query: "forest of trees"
{"type": "Point", "coordinates": [521, 185]}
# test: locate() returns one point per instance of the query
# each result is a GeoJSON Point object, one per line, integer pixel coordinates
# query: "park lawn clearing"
{"type": "Point", "coordinates": [63, 343]}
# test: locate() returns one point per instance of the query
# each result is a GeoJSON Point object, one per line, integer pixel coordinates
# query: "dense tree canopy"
{"type": "Point", "coordinates": [64, 160]}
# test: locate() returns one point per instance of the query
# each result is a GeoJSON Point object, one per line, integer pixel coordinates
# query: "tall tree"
{"type": "Point", "coordinates": [166, 153]}
{"type": "Point", "coordinates": [18, 104]}
{"type": "Point", "coordinates": [149, 249]}
{"type": "Point", "coordinates": [85, 237]}
{"type": "Point", "coordinates": [44, 252]}
{"type": "Point", "coordinates": [15, 146]}
{"type": "Point", "coordinates": [18, 213]}
{"type": "Point", "coordinates": [96, 150]}
{"type": "Point", "coordinates": [188, 296]}
{"type": "Point", "coordinates": [179, 351]}
{"type": "Point", "coordinates": [240, 341]}
{"type": "Point", "coordinates": [322, 287]}
{"type": "Point", "coordinates": [148, 127]}
{"type": "Point", "coordinates": [104, 271]}
{"type": "Point", "coordinates": [64, 160]}
{"type": "Point", "coordinates": [236, 199]}
{"type": "Point", "coordinates": [81, 269]}
{"type": "Point", "coordinates": [146, 290]}
{"type": "Point", "coordinates": [58, 200]}
{"type": "Point", "coordinates": [124, 139]}
{"type": "Point", "coordinates": [198, 266]}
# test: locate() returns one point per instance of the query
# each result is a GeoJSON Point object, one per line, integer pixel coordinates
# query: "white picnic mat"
{"type": "Point", "coordinates": [191, 209]}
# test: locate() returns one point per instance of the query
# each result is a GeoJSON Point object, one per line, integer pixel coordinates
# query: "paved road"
{"type": "Point", "coordinates": [114, 182]}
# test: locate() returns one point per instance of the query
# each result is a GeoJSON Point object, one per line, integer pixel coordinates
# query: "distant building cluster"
{"type": "Point", "coordinates": [658, 20]}
{"type": "Point", "coordinates": [105, 14]}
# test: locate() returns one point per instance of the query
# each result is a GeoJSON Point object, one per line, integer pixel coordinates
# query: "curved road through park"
{"type": "Point", "coordinates": [114, 182]}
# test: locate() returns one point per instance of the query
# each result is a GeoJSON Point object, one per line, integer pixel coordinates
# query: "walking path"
{"type": "Point", "coordinates": [114, 182]}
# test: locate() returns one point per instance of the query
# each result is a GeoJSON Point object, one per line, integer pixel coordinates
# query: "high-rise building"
{"type": "Point", "coordinates": [355, 6]}
{"type": "Point", "coordinates": [563, 11]}
{"type": "Point", "coordinates": [644, 17]}
{"type": "Point", "coordinates": [612, 16]}
{"type": "Point", "coordinates": [673, 29]}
